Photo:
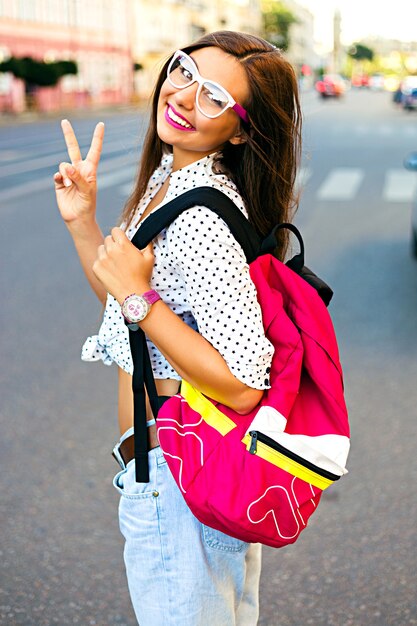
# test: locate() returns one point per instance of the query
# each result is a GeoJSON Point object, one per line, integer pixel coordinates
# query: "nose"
{"type": "Point", "coordinates": [186, 97]}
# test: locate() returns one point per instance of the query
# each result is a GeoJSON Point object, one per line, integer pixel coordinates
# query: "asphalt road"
{"type": "Point", "coordinates": [60, 548]}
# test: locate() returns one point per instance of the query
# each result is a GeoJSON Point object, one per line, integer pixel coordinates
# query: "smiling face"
{"type": "Point", "coordinates": [180, 124]}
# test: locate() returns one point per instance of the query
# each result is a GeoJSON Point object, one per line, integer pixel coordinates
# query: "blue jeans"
{"type": "Point", "coordinates": [180, 572]}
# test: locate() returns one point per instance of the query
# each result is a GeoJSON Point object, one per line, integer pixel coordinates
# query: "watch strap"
{"type": "Point", "coordinates": [151, 296]}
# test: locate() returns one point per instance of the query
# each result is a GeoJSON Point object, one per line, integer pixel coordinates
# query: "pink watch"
{"type": "Point", "coordinates": [135, 308]}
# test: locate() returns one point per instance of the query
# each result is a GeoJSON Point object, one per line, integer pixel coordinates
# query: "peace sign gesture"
{"type": "Point", "coordinates": [76, 182]}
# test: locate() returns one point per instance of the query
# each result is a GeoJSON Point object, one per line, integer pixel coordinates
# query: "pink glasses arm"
{"type": "Point", "coordinates": [241, 112]}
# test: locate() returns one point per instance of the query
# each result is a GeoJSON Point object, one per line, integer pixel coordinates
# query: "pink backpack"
{"type": "Point", "coordinates": [256, 477]}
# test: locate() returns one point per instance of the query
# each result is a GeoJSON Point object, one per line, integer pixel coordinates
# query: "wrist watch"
{"type": "Point", "coordinates": [135, 308]}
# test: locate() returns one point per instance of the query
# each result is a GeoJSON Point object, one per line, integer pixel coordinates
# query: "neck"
{"type": "Point", "coordinates": [183, 158]}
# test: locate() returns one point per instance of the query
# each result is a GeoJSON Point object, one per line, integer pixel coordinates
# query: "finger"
{"type": "Point", "coordinates": [94, 152]}
{"type": "Point", "coordinates": [74, 175]}
{"type": "Point", "coordinates": [71, 142]}
{"type": "Point", "coordinates": [101, 252]}
{"type": "Point", "coordinates": [58, 180]}
{"type": "Point", "coordinates": [64, 170]}
{"type": "Point", "coordinates": [109, 243]}
{"type": "Point", "coordinates": [118, 235]}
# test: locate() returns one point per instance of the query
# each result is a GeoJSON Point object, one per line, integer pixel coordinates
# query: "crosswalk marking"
{"type": "Point", "coordinates": [361, 130]}
{"type": "Point", "coordinates": [344, 183]}
{"type": "Point", "coordinates": [49, 160]}
{"type": "Point", "coordinates": [124, 167]}
{"type": "Point", "coordinates": [399, 186]}
{"type": "Point", "coordinates": [303, 176]}
{"type": "Point", "coordinates": [110, 180]}
{"type": "Point", "coordinates": [341, 184]}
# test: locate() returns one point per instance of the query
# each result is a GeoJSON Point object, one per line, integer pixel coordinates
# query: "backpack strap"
{"type": "Point", "coordinates": [216, 201]}
{"type": "Point", "coordinates": [240, 227]}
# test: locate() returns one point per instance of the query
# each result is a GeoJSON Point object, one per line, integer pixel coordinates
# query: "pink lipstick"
{"type": "Point", "coordinates": [173, 122]}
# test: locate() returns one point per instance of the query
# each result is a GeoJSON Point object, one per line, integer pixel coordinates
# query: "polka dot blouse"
{"type": "Point", "coordinates": [201, 273]}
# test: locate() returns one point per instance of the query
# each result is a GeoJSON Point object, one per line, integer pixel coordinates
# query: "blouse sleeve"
{"type": "Point", "coordinates": [220, 293]}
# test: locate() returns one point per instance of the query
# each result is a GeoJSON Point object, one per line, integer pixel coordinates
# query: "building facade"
{"type": "Point", "coordinates": [94, 33]}
{"type": "Point", "coordinates": [106, 38]}
{"type": "Point", "coordinates": [157, 32]}
{"type": "Point", "coordinates": [301, 51]}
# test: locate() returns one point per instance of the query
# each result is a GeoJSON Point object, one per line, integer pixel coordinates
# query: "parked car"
{"type": "Point", "coordinates": [410, 163]}
{"type": "Point", "coordinates": [331, 86]}
{"type": "Point", "coordinates": [360, 80]}
{"type": "Point", "coordinates": [377, 82]}
{"type": "Point", "coordinates": [409, 93]}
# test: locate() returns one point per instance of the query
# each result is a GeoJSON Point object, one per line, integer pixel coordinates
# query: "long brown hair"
{"type": "Point", "coordinates": [264, 167]}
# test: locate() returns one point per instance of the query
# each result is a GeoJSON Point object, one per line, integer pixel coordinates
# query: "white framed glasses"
{"type": "Point", "coordinates": [211, 98]}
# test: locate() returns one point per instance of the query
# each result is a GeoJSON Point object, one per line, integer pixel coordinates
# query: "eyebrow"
{"type": "Point", "coordinates": [195, 62]}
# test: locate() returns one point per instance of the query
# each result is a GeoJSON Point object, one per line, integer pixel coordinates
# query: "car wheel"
{"type": "Point", "coordinates": [414, 243]}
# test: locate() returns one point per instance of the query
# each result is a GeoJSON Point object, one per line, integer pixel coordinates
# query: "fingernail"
{"type": "Point", "coordinates": [70, 170]}
{"type": "Point", "coordinates": [67, 182]}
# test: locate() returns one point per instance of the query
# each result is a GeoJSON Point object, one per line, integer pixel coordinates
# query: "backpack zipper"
{"type": "Point", "coordinates": [257, 436]}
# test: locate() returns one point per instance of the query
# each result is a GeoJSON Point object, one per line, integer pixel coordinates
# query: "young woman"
{"type": "Point", "coordinates": [225, 114]}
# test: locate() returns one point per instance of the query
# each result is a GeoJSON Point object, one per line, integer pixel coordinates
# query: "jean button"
{"type": "Point", "coordinates": [155, 494]}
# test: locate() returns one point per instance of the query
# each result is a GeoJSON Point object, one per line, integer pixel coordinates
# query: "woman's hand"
{"type": "Point", "coordinates": [121, 267]}
{"type": "Point", "coordinates": [76, 182]}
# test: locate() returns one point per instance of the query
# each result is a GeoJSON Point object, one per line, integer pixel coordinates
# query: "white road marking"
{"type": "Point", "coordinates": [303, 176]}
{"type": "Point", "coordinates": [38, 163]}
{"type": "Point", "coordinates": [342, 183]}
{"type": "Point", "coordinates": [107, 177]}
{"type": "Point", "coordinates": [9, 155]}
{"type": "Point", "coordinates": [110, 180]}
{"type": "Point", "coordinates": [399, 186]}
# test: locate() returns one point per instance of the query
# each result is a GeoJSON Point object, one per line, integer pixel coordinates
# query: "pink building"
{"type": "Point", "coordinates": [94, 33]}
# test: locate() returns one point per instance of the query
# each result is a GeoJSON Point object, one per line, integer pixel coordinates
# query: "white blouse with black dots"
{"type": "Point", "coordinates": [201, 273]}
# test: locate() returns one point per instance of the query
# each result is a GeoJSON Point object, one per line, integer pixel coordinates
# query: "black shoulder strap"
{"type": "Point", "coordinates": [247, 237]}
{"type": "Point", "coordinates": [217, 202]}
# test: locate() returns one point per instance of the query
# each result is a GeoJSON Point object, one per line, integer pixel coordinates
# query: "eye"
{"type": "Point", "coordinates": [215, 97]}
{"type": "Point", "coordinates": [186, 72]}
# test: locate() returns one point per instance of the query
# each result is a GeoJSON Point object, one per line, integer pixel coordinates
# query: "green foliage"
{"type": "Point", "coordinates": [38, 73]}
{"type": "Point", "coordinates": [66, 67]}
{"type": "Point", "coordinates": [360, 52]}
{"type": "Point", "coordinates": [277, 21]}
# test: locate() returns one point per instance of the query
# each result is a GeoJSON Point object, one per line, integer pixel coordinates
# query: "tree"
{"type": "Point", "coordinates": [360, 52]}
{"type": "Point", "coordinates": [38, 73]}
{"type": "Point", "coordinates": [277, 21]}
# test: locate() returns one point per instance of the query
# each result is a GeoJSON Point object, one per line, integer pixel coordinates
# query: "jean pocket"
{"type": "Point", "coordinates": [125, 483]}
{"type": "Point", "coordinates": [220, 541]}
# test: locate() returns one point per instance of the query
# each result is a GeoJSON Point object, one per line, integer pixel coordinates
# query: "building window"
{"type": "Point", "coordinates": [27, 10]}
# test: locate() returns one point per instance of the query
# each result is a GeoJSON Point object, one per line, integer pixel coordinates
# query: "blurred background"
{"type": "Point", "coordinates": [90, 60]}
{"type": "Point", "coordinates": [57, 54]}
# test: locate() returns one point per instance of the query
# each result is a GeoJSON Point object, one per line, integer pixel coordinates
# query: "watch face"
{"type": "Point", "coordinates": [135, 308]}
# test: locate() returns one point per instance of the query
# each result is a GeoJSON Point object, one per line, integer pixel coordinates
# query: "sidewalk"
{"type": "Point", "coordinates": [29, 117]}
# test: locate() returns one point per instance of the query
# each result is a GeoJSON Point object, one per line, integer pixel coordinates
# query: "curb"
{"type": "Point", "coordinates": [31, 117]}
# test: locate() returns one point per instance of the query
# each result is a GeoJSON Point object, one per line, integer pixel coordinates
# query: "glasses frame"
{"type": "Point", "coordinates": [197, 78]}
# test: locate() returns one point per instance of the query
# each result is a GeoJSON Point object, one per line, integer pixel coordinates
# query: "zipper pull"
{"type": "Point", "coordinates": [254, 442]}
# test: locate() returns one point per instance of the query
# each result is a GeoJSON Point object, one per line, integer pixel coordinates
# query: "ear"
{"type": "Point", "coordinates": [237, 139]}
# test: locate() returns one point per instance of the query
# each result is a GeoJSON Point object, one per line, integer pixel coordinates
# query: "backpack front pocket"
{"type": "Point", "coordinates": [280, 456]}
